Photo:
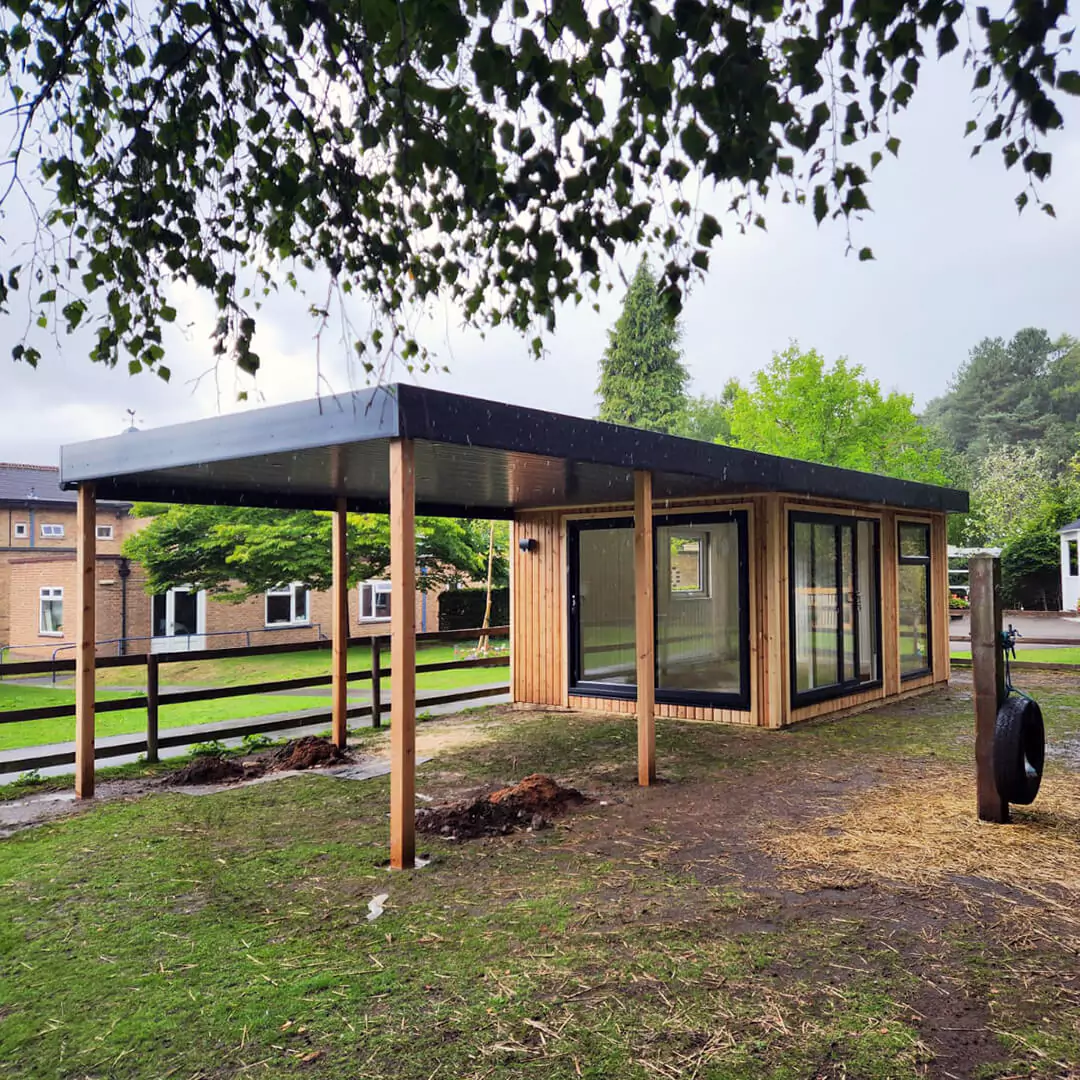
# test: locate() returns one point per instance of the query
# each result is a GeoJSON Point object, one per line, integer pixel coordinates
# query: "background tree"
{"type": "Point", "coordinates": [1019, 500]}
{"type": "Point", "coordinates": [496, 154]}
{"type": "Point", "coordinates": [642, 379]}
{"type": "Point", "coordinates": [234, 553]}
{"type": "Point", "coordinates": [797, 406]}
{"type": "Point", "coordinates": [708, 418]}
{"type": "Point", "coordinates": [1024, 391]}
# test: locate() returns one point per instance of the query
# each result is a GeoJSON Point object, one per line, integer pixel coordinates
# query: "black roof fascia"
{"type": "Point", "coordinates": [440, 417]}
{"type": "Point", "coordinates": [303, 425]}
{"type": "Point", "coordinates": [464, 421]}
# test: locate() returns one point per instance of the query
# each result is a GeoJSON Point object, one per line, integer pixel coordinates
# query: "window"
{"type": "Point", "coordinates": [55, 532]}
{"type": "Point", "coordinates": [51, 612]}
{"type": "Point", "coordinates": [701, 615]}
{"type": "Point", "coordinates": [374, 600]}
{"type": "Point", "coordinates": [22, 530]}
{"type": "Point", "coordinates": [104, 532]}
{"type": "Point", "coordinates": [286, 606]}
{"type": "Point", "coordinates": [914, 572]}
{"type": "Point", "coordinates": [1074, 560]}
{"type": "Point", "coordinates": [834, 606]}
{"type": "Point", "coordinates": [689, 555]}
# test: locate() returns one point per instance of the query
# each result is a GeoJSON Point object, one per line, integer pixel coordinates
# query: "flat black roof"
{"type": "Point", "coordinates": [474, 458]}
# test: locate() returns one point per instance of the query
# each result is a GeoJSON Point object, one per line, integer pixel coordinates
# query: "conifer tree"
{"type": "Point", "coordinates": [642, 377]}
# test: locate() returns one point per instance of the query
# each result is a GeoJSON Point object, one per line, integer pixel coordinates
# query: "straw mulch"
{"type": "Point", "coordinates": [922, 832]}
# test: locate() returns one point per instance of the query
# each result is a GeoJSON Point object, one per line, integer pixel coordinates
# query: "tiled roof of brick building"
{"type": "Point", "coordinates": [32, 483]}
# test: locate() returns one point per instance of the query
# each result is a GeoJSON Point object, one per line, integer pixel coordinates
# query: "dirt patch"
{"type": "Point", "coordinates": [530, 804]}
{"type": "Point", "coordinates": [211, 769]}
{"type": "Point", "coordinates": [308, 752]}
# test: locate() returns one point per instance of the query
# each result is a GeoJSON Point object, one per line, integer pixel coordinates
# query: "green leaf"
{"type": "Point", "coordinates": [866, 255]}
{"type": "Point", "coordinates": [946, 40]}
{"type": "Point", "coordinates": [1069, 81]}
{"type": "Point", "coordinates": [821, 203]}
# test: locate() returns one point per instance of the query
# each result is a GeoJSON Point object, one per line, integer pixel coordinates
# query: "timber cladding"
{"type": "Point", "coordinates": [540, 609]}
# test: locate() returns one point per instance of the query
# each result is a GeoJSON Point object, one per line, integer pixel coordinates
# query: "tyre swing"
{"type": "Point", "coordinates": [1019, 738]}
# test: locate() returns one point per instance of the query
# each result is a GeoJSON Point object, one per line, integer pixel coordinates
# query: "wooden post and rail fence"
{"type": "Point", "coordinates": [154, 700]}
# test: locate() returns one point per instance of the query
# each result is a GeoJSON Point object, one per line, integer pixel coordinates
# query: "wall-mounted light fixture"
{"type": "Point", "coordinates": [528, 544]}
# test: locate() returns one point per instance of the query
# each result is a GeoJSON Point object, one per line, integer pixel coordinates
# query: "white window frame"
{"type": "Point", "coordinates": [52, 531]}
{"type": "Point", "coordinates": [22, 530]}
{"type": "Point", "coordinates": [50, 593]}
{"type": "Point", "coordinates": [291, 592]}
{"type": "Point", "coordinates": [104, 532]}
{"type": "Point", "coordinates": [374, 588]}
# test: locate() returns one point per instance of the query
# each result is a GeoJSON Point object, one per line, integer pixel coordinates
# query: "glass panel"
{"type": "Point", "coordinates": [278, 608]}
{"type": "Point", "coordinates": [1074, 562]}
{"type": "Point", "coordinates": [914, 541]}
{"type": "Point", "coordinates": [366, 593]}
{"type": "Point", "coordinates": [867, 601]}
{"type": "Point", "coordinates": [157, 614]}
{"type": "Point", "coordinates": [52, 615]}
{"type": "Point", "coordinates": [816, 605]}
{"type": "Point", "coordinates": [301, 612]}
{"type": "Point", "coordinates": [698, 643]}
{"type": "Point", "coordinates": [605, 597]}
{"type": "Point", "coordinates": [847, 600]}
{"type": "Point", "coordinates": [382, 604]}
{"type": "Point", "coordinates": [185, 614]}
{"type": "Point", "coordinates": [914, 617]}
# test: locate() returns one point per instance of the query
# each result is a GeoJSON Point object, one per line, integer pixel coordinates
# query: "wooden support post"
{"type": "Point", "coordinates": [85, 637]}
{"type": "Point", "coordinates": [644, 627]}
{"type": "Point", "coordinates": [376, 681]}
{"type": "Point", "coordinates": [339, 663]}
{"type": "Point", "coordinates": [402, 654]}
{"type": "Point", "coordinates": [152, 685]}
{"type": "Point", "coordinates": [988, 666]}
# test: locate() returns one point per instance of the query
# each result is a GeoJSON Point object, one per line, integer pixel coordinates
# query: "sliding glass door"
{"type": "Point", "coordinates": [701, 614]}
{"type": "Point", "coordinates": [834, 606]}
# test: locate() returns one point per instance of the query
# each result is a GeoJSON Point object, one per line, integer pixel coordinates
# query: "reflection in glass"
{"type": "Point", "coordinates": [867, 602]}
{"type": "Point", "coordinates": [698, 639]}
{"type": "Point", "coordinates": [606, 606]}
{"type": "Point", "coordinates": [914, 617]}
{"type": "Point", "coordinates": [834, 596]}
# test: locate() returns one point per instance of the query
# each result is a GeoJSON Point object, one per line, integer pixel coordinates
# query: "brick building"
{"type": "Point", "coordinates": [38, 581]}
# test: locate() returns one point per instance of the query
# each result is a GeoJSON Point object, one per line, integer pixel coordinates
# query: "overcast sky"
{"type": "Point", "coordinates": [955, 263]}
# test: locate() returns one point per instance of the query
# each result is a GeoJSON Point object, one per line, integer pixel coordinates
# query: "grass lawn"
{"type": "Point", "coordinates": [725, 924]}
{"type": "Point", "coordinates": [40, 732]}
{"type": "Point", "coordinates": [1063, 655]}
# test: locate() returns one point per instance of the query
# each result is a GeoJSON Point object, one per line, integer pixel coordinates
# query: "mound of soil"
{"type": "Point", "coordinates": [309, 752]}
{"type": "Point", "coordinates": [211, 769]}
{"type": "Point", "coordinates": [529, 804]}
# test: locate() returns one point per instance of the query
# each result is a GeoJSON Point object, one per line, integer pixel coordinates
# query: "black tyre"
{"type": "Point", "coordinates": [1019, 750]}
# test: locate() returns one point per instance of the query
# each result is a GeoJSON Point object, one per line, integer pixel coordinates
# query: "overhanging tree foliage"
{"type": "Point", "coordinates": [642, 379]}
{"type": "Point", "coordinates": [495, 152]}
{"type": "Point", "coordinates": [236, 553]}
